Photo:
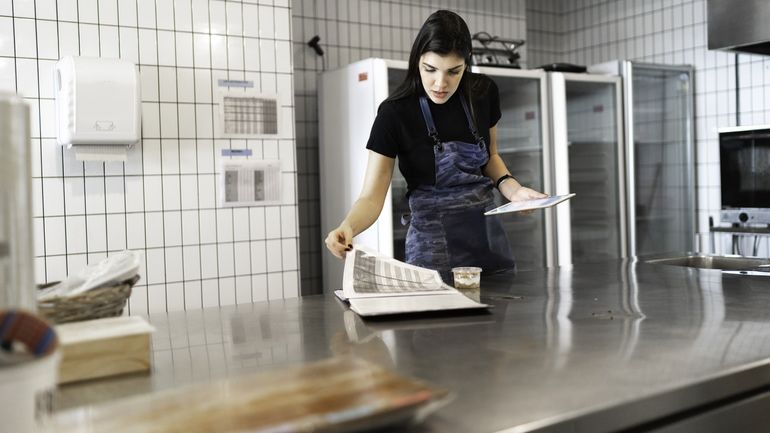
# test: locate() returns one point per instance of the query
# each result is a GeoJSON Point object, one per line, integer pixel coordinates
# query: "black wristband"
{"type": "Point", "coordinates": [501, 179]}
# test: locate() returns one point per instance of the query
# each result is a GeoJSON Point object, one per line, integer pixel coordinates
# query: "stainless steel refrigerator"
{"type": "Point", "coordinates": [588, 160]}
{"type": "Point", "coordinates": [660, 155]}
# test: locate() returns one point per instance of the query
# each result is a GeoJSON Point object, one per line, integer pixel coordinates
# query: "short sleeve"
{"type": "Point", "coordinates": [382, 138]}
{"type": "Point", "coordinates": [494, 104]}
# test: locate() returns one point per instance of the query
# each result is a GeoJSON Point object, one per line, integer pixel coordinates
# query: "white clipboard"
{"type": "Point", "coordinates": [538, 203]}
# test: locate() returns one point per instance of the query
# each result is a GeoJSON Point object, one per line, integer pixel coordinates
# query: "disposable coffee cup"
{"type": "Point", "coordinates": [467, 277]}
{"type": "Point", "coordinates": [26, 390]}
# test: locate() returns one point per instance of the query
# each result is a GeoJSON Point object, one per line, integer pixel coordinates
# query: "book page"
{"type": "Point", "coordinates": [368, 274]}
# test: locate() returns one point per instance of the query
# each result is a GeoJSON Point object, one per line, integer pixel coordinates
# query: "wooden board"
{"type": "Point", "coordinates": [103, 347]}
{"type": "Point", "coordinates": [338, 394]}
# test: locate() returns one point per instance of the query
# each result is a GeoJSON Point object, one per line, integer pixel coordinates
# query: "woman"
{"type": "Point", "coordinates": [440, 123]}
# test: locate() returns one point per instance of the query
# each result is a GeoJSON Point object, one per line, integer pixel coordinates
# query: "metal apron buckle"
{"type": "Point", "coordinates": [437, 141]}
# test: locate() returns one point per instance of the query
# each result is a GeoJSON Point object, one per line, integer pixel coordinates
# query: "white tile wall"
{"type": "Point", "coordinates": [162, 201]}
{"type": "Point", "coordinates": [351, 30]}
{"type": "Point", "coordinates": [669, 32]}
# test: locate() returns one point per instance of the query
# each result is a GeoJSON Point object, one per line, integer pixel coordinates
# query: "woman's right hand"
{"type": "Point", "coordinates": [340, 240]}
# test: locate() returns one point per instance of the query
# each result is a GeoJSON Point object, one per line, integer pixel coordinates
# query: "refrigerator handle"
{"type": "Point", "coordinates": [558, 103]}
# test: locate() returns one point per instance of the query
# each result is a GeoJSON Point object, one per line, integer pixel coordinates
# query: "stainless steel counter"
{"type": "Point", "coordinates": [599, 347]}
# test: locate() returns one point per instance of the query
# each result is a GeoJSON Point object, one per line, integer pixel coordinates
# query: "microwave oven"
{"type": "Point", "coordinates": [744, 164]}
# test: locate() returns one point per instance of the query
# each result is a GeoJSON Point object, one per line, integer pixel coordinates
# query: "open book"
{"type": "Point", "coordinates": [538, 203]}
{"type": "Point", "coordinates": [375, 285]}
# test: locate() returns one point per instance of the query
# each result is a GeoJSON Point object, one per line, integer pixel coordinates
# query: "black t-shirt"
{"type": "Point", "coordinates": [399, 129]}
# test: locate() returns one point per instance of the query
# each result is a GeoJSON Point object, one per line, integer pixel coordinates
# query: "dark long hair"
{"type": "Point", "coordinates": [444, 32]}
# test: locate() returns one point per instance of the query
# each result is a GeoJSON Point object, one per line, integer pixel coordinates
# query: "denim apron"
{"type": "Point", "coordinates": [447, 226]}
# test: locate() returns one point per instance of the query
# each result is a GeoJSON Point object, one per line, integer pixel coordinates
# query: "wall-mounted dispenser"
{"type": "Point", "coordinates": [98, 110]}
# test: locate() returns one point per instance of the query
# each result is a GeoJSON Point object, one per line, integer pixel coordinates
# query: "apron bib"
{"type": "Point", "coordinates": [447, 227]}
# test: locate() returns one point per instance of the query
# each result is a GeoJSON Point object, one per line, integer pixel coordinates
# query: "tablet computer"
{"type": "Point", "coordinates": [538, 203]}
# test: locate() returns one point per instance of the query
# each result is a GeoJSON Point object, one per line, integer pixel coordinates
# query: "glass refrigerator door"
{"type": "Point", "coordinates": [663, 191]}
{"type": "Point", "coordinates": [520, 138]}
{"type": "Point", "coordinates": [588, 146]}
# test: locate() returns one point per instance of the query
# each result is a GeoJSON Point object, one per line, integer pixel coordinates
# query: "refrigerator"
{"type": "Point", "coordinates": [660, 155]}
{"type": "Point", "coordinates": [588, 160]}
{"type": "Point", "coordinates": [348, 99]}
{"type": "Point", "coordinates": [558, 133]}
{"type": "Point", "coordinates": [562, 133]}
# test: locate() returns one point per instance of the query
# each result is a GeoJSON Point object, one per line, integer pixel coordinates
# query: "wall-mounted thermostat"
{"type": "Point", "coordinates": [247, 182]}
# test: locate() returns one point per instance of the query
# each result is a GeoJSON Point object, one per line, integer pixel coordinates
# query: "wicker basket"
{"type": "Point", "coordinates": [106, 301]}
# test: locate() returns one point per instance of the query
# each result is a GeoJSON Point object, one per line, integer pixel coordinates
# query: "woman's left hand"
{"type": "Point", "coordinates": [520, 193]}
{"type": "Point", "coordinates": [523, 193]}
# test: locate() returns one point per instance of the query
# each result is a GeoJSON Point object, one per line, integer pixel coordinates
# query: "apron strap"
{"type": "Point", "coordinates": [471, 124]}
{"type": "Point", "coordinates": [426, 114]}
{"type": "Point", "coordinates": [433, 132]}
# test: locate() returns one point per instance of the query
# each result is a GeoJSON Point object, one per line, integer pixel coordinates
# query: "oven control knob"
{"type": "Point", "coordinates": [743, 217]}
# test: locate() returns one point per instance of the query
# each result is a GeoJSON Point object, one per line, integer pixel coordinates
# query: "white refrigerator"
{"type": "Point", "coordinates": [348, 98]}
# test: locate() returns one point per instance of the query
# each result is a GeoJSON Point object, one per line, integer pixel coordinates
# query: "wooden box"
{"type": "Point", "coordinates": [103, 347]}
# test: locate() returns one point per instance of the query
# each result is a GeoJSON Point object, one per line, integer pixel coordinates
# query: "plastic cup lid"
{"type": "Point", "coordinates": [467, 269]}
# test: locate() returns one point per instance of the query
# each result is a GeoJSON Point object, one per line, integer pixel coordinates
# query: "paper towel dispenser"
{"type": "Point", "coordinates": [98, 106]}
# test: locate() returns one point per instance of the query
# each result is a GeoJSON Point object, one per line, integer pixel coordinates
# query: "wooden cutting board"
{"type": "Point", "coordinates": [338, 394]}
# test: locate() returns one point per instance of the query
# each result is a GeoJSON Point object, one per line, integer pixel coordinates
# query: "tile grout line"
{"type": "Point", "coordinates": [160, 144]}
